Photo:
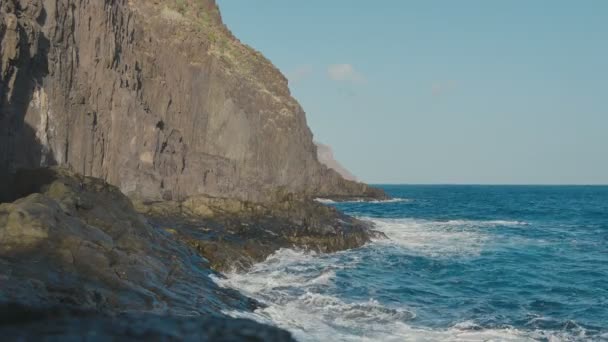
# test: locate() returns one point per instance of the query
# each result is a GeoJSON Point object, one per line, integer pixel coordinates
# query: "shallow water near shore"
{"type": "Point", "coordinates": [462, 263]}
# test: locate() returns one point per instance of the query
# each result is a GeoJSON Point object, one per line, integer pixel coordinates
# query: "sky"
{"type": "Point", "coordinates": [429, 91]}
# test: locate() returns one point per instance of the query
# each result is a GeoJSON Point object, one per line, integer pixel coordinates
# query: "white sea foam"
{"type": "Point", "coordinates": [439, 238]}
{"type": "Point", "coordinates": [325, 200]}
{"type": "Point", "coordinates": [308, 326]}
{"type": "Point", "coordinates": [489, 223]}
{"type": "Point", "coordinates": [431, 238]}
{"type": "Point", "coordinates": [288, 284]}
{"type": "Point", "coordinates": [299, 289]}
{"type": "Point", "coordinates": [285, 268]}
{"type": "Point", "coordinates": [392, 200]}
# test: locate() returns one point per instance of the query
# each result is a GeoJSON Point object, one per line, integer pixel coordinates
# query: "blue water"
{"type": "Point", "coordinates": [462, 263]}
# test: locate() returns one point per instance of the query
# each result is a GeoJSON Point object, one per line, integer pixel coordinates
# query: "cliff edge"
{"type": "Point", "coordinates": [155, 97]}
{"type": "Point", "coordinates": [325, 154]}
{"type": "Point", "coordinates": [77, 262]}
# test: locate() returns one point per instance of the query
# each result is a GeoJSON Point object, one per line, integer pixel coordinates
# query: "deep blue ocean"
{"type": "Point", "coordinates": [462, 263]}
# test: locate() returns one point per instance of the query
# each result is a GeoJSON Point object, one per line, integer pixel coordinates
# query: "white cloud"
{"type": "Point", "coordinates": [299, 73]}
{"type": "Point", "coordinates": [344, 73]}
{"type": "Point", "coordinates": [442, 87]}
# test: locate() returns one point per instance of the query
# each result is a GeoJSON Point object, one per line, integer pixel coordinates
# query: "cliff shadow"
{"type": "Point", "coordinates": [22, 74]}
{"type": "Point", "coordinates": [30, 154]}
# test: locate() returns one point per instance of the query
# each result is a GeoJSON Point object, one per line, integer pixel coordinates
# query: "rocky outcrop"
{"type": "Point", "coordinates": [74, 254]}
{"type": "Point", "coordinates": [157, 98]}
{"type": "Point", "coordinates": [18, 323]}
{"type": "Point", "coordinates": [159, 101]}
{"type": "Point", "coordinates": [78, 240]}
{"type": "Point", "coordinates": [325, 154]}
{"type": "Point", "coordinates": [233, 235]}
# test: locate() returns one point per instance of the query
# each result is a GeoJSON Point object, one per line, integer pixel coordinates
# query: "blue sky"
{"type": "Point", "coordinates": [430, 91]}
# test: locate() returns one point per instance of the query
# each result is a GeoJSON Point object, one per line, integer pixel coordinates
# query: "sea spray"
{"type": "Point", "coordinates": [459, 264]}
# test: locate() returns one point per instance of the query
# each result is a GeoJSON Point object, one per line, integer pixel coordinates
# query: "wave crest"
{"type": "Point", "coordinates": [392, 200]}
{"type": "Point", "coordinates": [298, 290]}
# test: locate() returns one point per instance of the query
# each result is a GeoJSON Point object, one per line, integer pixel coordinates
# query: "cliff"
{"type": "Point", "coordinates": [77, 262]}
{"type": "Point", "coordinates": [325, 154]}
{"type": "Point", "coordinates": [155, 97]}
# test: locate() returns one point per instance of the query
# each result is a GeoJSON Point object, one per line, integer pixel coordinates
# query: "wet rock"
{"type": "Point", "coordinates": [54, 324]}
{"type": "Point", "coordinates": [76, 243]}
{"type": "Point", "coordinates": [234, 234]}
{"type": "Point", "coordinates": [325, 155]}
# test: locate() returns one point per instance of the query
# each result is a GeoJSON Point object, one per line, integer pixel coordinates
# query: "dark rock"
{"type": "Point", "coordinates": [56, 324]}
{"type": "Point", "coordinates": [77, 243]}
{"type": "Point", "coordinates": [325, 154]}
{"type": "Point", "coordinates": [234, 234]}
{"type": "Point", "coordinates": [160, 100]}
{"type": "Point", "coordinates": [155, 97]}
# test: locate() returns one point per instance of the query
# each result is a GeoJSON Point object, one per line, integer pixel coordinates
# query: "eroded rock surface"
{"type": "Point", "coordinates": [76, 243]}
{"type": "Point", "coordinates": [156, 97]}
{"type": "Point", "coordinates": [325, 154]}
{"type": "Point", "coordinates": [160, 100]}
{"type": "Point", "coordinates": [71, 244]}
{"type": "Point", "coordinates": [234, 234]}
{"type": "Point", "coordinates": [27, 324]}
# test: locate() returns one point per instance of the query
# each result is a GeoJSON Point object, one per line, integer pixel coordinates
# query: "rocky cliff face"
{"type": "Point", "coordinates": [325, 154]}
{"type": "Point", "coordinates": [156, 97]}
{"type": "Point", "coordinates": [78, 262]}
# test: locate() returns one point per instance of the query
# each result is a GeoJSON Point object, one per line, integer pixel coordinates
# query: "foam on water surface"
{"type": "Point", "coordinates": [290, 284]}
{"type": "Point", "coordinates": [373, 201]}
{"type": "Point", "coordinates": [454, 268]}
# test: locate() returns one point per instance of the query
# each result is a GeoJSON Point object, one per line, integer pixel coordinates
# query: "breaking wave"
{"type": "Point", "coordinates": [534, 270]}
{"type": "Point", "coordinates": [295, 287]}
{"type": "Point", "coordinates": [391, 200]}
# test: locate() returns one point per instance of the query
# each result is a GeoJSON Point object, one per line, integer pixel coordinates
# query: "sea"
{"type": "Point", "coordinates": [461, 263]}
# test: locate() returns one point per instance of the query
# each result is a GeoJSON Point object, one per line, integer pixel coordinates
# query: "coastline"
{"type": "Point", "coordinates": [446, 248]}
{"type": "Point", "coordinates": [192, 157]}
{"type": "Point", "coordinates": [76, 246]}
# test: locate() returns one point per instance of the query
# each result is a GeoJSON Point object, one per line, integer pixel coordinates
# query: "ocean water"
{"type": "Point", "coordinates": [462, 263]}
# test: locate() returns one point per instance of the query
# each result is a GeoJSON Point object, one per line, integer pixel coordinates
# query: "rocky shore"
{"type": "Point", "coordinates": [157, 98]}
{"type": "Point", "coordinates": [76, 249]}
{"type": "Point", "coordinates": [143, 149]}
{"type": "Point", "coordinates": [233, 235]}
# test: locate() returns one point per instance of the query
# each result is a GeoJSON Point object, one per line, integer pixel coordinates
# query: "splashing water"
{"type": "Point", "coordinates": [460, 264]}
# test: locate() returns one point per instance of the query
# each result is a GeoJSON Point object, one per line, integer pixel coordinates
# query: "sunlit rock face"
{"type": "Point", "coordinates": [325, 154]}
{"type": "Point", "coordinates": [77, 260]}
{"type": "Point", "coordinates": [155, 97]}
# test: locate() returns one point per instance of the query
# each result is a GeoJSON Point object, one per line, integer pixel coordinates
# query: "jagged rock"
{"type": "Point", "coordinates": [155, 97]}
{"type": "Point", "coordinates": [160, 100]}
{"type": "Point", "coordinates": [28, 324]}
{"type": "Point", "coordinates": [234, 234]}
{"type": "Point", "coordinates": [325, 154]}
{"type": "Point", "coordinates": [76, 243]}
